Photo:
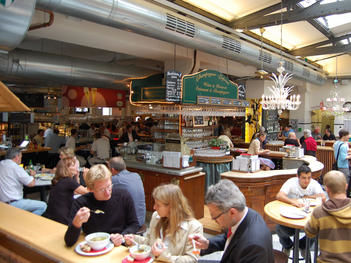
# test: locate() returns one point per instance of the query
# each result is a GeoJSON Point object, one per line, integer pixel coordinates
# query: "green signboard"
{"type": "Point", "coordinates": [207, 83]}
{"type": "Point", "coordinates": [148, 89]}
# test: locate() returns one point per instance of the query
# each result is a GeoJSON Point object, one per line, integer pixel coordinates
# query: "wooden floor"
{"type": "Point", "coordinates": [210, 226]}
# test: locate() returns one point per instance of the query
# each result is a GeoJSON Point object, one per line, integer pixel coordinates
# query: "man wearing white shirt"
{"type": "Point", "coordinates": [12, 179]}
{"type": "Point", "coordinates": [292, 192]}
{"type": "Point", "coordinates": [100, 150]}
{"type": "Point", "coordinates": [248, 239]}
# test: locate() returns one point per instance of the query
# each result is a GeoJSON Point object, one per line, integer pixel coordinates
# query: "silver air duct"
{"type": "Point", "coordinates": [151, 20]}
{"type": "Point", "coordinates": [15, 19]}
{"type": "Point", "coordinates": [65, 70]}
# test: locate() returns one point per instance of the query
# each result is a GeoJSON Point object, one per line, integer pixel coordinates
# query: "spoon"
{"type": "Point", "coordinates": [135, 243]}
{"type": "Point", "coordinates": [97, 211]}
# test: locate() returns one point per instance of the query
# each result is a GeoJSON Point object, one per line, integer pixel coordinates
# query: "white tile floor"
{"type": "Point", "coordinates": [278, 246]}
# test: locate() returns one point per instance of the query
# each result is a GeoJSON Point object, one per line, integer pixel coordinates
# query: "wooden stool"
{"type": "Point", "coordinates": [279, 257]}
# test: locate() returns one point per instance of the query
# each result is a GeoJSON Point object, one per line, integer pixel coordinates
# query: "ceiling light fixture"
{"type": "Point", "coordinates": [281, 97]}
{"type": "Point", "coordinates": [261, 72]}
{"type": "Point", "coordinates": [335, 103]}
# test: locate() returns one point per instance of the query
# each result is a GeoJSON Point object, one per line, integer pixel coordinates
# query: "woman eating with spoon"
{"type": "Point", "coordinates": [170, 226]}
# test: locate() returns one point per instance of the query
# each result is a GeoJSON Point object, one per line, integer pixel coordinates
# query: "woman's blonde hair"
{"type": "Point", "coordinates": [179, 209]}
{"type": "Point", "coordinates": [67, 151]}
{"type": "Point", "coordinates": [96, 173]}
{"type": "Point", "coordinates": [62, 169]}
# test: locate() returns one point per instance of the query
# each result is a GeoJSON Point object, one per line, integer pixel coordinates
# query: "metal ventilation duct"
{"type": "Point", "coordinates": [65, 70]}
{"type": "Point", "coordinates": [151, 20]}
{"type": "Point", "coordinates": [15, 18]}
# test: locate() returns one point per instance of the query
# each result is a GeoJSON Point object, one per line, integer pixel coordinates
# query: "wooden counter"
{"type": "Point", "coordinates": [31, 150]}
{"type": "Point", "coordinates": [261, 187]}
{"type": "Point", "coordinates": [37, 239]}
{"type": "Point", "coordinates": [190, 180]}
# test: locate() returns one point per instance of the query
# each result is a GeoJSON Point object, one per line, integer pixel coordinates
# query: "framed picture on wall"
{"type": "Point", "coordinates": [198, 121]}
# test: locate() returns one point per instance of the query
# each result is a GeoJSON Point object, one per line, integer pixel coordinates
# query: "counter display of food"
{"type": "Point", "coordinates": [261, 187]}
{"type": "Point", "coordinates": [191, 180]}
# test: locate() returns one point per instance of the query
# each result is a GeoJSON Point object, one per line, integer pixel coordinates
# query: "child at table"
{"type": "Point", "coordinates": [170, 226]}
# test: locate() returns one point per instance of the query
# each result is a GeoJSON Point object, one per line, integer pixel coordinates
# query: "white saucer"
{"type": "Point", "coordinates": [292, 212]}
{"type": "Point", "coordinates": [81, 252]}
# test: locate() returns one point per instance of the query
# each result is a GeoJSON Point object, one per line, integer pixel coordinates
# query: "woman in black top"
{"type": "Point", "coordinates": [65, 185]}
{"type": "Point", "coordinates": [328, 136]}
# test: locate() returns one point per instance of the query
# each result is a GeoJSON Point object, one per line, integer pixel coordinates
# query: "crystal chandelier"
{"type": "Point", "coordinates": [334, 103]}
{"type": "Point", "coordinates": [281, 97]}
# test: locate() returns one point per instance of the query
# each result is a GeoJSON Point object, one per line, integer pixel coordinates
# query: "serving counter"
{"type": "Point", "coordinates": [191, 180]}
{"type": "Point", "coordinates": [261, 187]}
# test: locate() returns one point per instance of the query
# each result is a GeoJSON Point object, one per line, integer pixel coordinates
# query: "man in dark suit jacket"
{"type": "Point", "coordinates": [248, 240]}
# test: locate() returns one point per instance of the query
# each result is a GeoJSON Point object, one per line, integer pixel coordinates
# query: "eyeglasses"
{"type": "Point", "coordinates": [107, 188]}
{"type": "Point", "coordinates": [218, 216]}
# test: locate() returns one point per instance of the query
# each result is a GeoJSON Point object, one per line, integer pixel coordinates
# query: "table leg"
{"type": "Point", "coordinates": [315, 250]}
{"type": "Point", "coordinates": [307, 254]}
{"type": "Point", "coordinates": [296, 246]}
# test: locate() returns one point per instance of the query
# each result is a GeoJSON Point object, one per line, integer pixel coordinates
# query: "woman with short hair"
{"type": "Point", "coordinates": [170, 226]}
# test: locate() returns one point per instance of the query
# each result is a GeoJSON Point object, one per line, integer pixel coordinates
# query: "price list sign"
{"type": "Point", "coordinates": [173, 86]}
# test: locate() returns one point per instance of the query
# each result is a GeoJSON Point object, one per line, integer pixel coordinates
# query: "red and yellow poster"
{"type": "Point", "coordinates": [93, 97]}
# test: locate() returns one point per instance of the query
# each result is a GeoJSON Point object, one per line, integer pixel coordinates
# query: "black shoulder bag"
{"type": "Point", "coordinates": [335, 165]}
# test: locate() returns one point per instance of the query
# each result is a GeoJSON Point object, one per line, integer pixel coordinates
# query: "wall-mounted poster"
{"type": "Point", "coordinates": [93, 97]}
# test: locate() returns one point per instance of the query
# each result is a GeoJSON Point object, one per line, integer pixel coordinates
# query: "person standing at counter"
{"type": "Point", "coordinates": [331, 221]}
{"type": "Point", "coordinates": [118, 213]}
{"type": "Point", "coordinates": [39, 138]}
{"type": "Point", "coordinates": [328, 135]}
{"type": "Point", "coordinates": [342, 156]}
{"type": "Point", "coordinates": [302, 186]}
{"type": "Point", "coordinates": [285, 133]}
{"type": "Point", "coordinates": [131, 182]}
{"type": "Point", "coordinates": [309, 144]}
{"type": "Point", "coordinates": [171, 225]}
{"type": "Point", "coordinates": [248, 238]}
{"type": "Point", "coordinates": [256, 149]}
{"type": "Point", "coordinates": [12, 179]}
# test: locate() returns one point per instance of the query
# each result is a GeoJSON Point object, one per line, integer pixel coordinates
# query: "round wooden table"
{"type": "Point", "coordinates": [272, 210]}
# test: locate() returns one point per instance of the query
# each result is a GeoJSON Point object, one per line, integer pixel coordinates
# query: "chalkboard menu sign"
{"type": "Point", "coordinates": [173, 86]}
{"type": "Point", "coordinates": [242, 91]}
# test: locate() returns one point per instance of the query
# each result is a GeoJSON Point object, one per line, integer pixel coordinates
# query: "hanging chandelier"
{"type": "Point", "coordinates": [335, 103]}
{"type": "Point", "coordinates": [281, 97]}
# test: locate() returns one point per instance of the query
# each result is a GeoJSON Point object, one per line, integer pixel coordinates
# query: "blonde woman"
{"type": "Point", "coordinates": [64, 186]}
{"type": "Point", "coordinates": [170, 226]}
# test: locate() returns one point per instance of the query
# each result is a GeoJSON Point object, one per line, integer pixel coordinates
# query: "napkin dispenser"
{"type": "Point", "coordinates": [246, 163]}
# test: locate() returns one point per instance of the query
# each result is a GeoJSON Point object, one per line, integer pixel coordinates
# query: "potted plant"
{"type": "Point", "coordinates": [216, 143]}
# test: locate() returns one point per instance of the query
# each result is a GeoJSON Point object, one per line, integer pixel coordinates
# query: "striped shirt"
{"type": "Point", "coordinates": [332, 222]}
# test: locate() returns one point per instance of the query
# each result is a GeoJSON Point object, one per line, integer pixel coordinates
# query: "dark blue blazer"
{"type": "Point", "coordinates": [251, 243]}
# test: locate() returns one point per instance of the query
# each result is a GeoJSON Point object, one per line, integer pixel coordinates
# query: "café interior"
{"type": "Point", "coordinates": [197, 81]}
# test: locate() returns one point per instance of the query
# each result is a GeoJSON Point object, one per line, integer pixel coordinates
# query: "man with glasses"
{"type": "Point", "coordinates": [247, 238]}
{"type": "Point", "coordinates": [104, 209]}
